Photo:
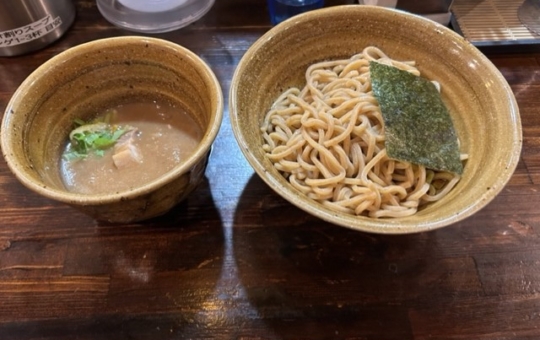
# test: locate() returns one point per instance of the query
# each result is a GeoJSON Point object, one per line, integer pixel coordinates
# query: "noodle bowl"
{"type": "Point", "coordinates": [482, 108]}
{"type": "Point", "coordinates": [328, 139]}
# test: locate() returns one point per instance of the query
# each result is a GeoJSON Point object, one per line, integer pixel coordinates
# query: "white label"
{"type": "Point", "coordinates": [30, 32]}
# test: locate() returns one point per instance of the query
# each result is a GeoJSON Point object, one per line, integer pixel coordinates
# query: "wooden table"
{"type": "Point", "coordinates": [235, 261]}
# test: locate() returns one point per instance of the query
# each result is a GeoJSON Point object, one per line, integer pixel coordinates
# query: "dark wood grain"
{"type": "Point", "coordinates": [235, 261]}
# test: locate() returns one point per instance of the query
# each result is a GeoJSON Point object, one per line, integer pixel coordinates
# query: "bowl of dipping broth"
{"type": "Point", "coordinates": [375, 119]}
{"type": "Point", "coordinates": [120, 128]}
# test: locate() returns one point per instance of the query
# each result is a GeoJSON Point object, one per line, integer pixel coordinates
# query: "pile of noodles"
{"type": "Point", "coordinates": [327, 139]}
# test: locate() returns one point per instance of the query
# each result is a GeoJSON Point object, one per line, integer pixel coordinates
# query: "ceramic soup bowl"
{"type": "Point", "coordinates": [94, 76]}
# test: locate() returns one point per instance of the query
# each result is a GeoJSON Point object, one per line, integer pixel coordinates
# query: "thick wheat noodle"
{"type": "Point", "coordinates": [328, 140]}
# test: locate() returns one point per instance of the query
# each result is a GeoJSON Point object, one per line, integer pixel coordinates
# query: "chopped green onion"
{"type": "Point", "coordinates": [93, 137]}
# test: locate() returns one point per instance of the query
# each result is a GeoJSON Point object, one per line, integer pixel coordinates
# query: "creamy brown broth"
{"type": "Point", "coordinates": [165, 136]}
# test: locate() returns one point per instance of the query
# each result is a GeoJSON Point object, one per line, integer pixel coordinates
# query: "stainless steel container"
{"type": "Point", "coordinates": [29, 25]}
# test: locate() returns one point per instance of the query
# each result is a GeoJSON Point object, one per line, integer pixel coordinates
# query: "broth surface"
{"type": "Point", "coordinates": [165, 136]}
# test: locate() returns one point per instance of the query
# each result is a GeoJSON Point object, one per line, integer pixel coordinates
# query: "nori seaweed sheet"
{"type": "Point", "coordinates": [418, 126]}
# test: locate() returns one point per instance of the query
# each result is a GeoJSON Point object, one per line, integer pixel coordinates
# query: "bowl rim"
{"type": "Point", "coordinates": [371, 225]}
{"type": "Point", "coordinates": [203, 148]}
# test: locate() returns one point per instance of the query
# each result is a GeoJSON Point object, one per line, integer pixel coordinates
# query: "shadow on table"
{"type": "Point", "coordinates": [306, 277]}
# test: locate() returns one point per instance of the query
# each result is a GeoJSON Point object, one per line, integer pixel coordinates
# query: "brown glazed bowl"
{"type": "Point", "coordinates": [480, 100]}
{"type": "Point", "coordinates": [95, 75]}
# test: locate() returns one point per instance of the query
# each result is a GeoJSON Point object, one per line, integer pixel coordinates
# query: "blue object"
{"type": "Point", "coordinates": [281, 10]}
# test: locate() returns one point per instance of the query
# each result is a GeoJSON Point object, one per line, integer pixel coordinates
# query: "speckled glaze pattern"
{"type": "Point", "coordinates": [480, 100]}
{"type": "Point", "coordinates": [90, 78]}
